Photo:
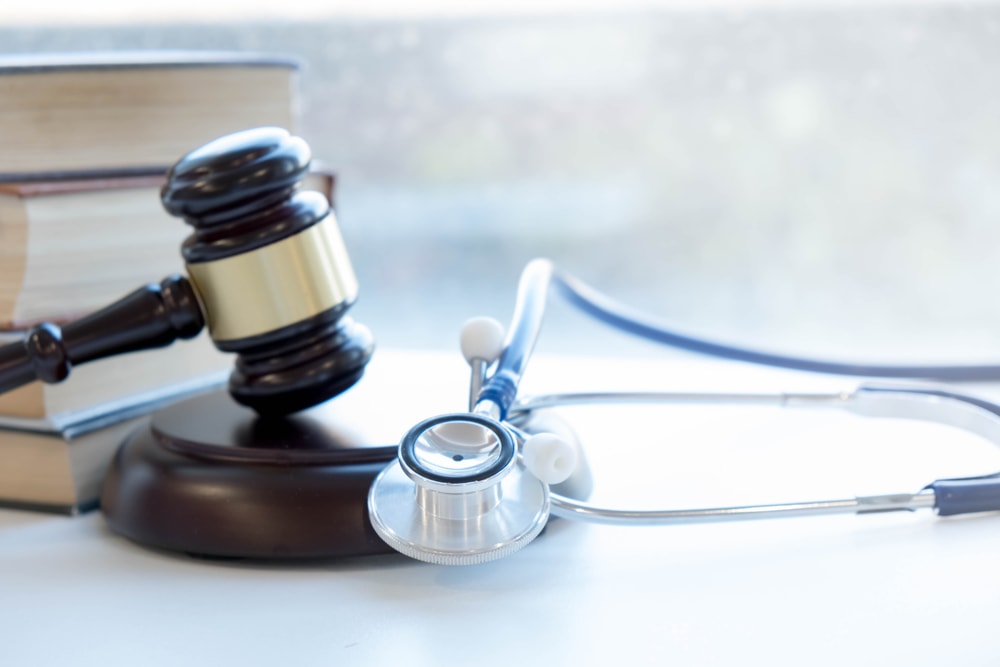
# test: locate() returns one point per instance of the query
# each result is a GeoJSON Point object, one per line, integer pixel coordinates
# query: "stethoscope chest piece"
{"type": "Point", "coordinates": [456, 494]}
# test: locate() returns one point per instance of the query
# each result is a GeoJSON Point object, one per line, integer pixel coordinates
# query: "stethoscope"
{"type": "Point", "coordinates": [475, 486]}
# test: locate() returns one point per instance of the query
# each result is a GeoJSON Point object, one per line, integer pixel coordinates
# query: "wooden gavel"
{"type": "Point", "coordinates": [267, 272]}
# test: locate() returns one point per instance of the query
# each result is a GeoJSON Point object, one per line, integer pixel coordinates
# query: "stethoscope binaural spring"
{"type": "Point", "coordinates": [475, 486]}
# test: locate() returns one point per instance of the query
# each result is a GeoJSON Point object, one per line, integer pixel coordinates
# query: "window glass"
{"type": "Point", "coordinates": [818, 178]}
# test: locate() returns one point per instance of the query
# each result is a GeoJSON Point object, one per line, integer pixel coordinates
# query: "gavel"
{"type": "Point", "coordinates": [267, 272]}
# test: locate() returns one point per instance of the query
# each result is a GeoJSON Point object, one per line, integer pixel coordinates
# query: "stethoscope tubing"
{"type": "Point", "coordinates": [618, 316]}
{"type": "Point", "coordinates": [571, 508]}
{"type": "Point", "coordinates": [498, 398]}
{"type": "Point", "coordinates": [947, 496]}
{"type": "Point", "coordinates": [540, 276]}
{"type": "Point", "coordinates": [420, 524]}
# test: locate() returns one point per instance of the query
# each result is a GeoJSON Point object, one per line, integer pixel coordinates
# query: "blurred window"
{"type": "Point", "coordinates": [816, 177]}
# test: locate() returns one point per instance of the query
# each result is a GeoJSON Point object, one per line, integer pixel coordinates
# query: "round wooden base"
{"type": "Point", "coordinates": [209, 478]}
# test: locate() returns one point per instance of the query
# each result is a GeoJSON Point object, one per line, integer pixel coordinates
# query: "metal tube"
{"type": "Point", "coordinates": [478, 368]}
{"type": "Point", "coordinates": [969, 413]}
{"type": "Point", "coordinates": [569, 508]}
{"type": "Point", "coordinates": [838, 399]}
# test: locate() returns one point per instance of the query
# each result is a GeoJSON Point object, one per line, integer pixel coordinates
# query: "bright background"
{"type": "Point", "coordinates": [814, 177]}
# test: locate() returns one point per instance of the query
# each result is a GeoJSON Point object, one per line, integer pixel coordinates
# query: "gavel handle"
{"type": "Point", "coordinates": [152, 316]}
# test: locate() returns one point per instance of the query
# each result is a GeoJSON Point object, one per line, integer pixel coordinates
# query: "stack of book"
{"type": "Point", "coordinates": [87, 140]}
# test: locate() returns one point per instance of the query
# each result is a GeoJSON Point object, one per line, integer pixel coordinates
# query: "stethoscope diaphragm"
{"type": "Point", "coordinates": [440, 501]}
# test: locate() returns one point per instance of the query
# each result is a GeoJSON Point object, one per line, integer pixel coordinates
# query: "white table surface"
{"type": "Point", "coordinates": [893, 589]}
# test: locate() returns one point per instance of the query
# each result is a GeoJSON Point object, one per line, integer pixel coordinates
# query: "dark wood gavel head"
{"type": "Point", "coordinates": [269, 269]}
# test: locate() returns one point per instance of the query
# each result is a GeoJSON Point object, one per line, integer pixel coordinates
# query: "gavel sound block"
{"type": "Point", "coordinates": [253, 473]}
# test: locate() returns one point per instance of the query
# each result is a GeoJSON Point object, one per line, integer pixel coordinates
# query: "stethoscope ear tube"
{"type": "Point", "coordinates": [500, 389]}
{"type": "Point", "coordinates": [604, 309]}
{"type": "Point", "coordinates": [540, 275]}
{"type": "Point", "coordinates": [966, 495]}
{"type": "Point", "coordinates": [948, 496]}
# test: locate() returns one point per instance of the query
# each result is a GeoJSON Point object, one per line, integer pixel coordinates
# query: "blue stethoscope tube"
{"type": "Point", "coordinates": [539, 276]}
{"type": "Point", "coordinates": [948, 496]}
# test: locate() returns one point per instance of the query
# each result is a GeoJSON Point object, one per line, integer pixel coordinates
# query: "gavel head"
{"type": "Point", "coordinates": [270, 270]}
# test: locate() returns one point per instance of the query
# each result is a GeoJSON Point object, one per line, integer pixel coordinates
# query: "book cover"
{"type": "Point", "coordinates": [107, 110]}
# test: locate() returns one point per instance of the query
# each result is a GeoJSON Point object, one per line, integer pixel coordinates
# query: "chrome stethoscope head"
{"type": "Point", "coordinates": [440, 501]}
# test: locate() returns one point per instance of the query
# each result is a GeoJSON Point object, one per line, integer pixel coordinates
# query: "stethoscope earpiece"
{"type": "Point", "coordinates": [549, 457]}
{"type": "Point", "coordinates": [481, 341]}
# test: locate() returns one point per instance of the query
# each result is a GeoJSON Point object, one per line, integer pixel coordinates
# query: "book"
{"type": "Point", "coordinates": [72, 245]}
{"type": "Point", "coordinates": [61, 469]}
{"type": "Point", "coordinates": [58, 471]}
{"type": "Point", "coordinates": [112, 110]}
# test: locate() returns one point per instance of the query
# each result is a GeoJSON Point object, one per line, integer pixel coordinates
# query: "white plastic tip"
{"type": "Point", "coordinates": [549, 457]}
{"type": "Point", "coordinates": [482, 338]}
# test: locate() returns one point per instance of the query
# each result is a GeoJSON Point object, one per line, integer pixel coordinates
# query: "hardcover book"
{"type": "Point", "coordinates": [134, 109]}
